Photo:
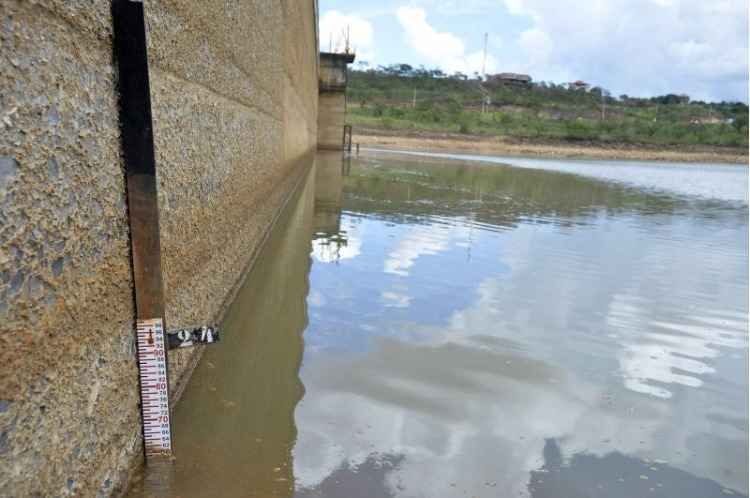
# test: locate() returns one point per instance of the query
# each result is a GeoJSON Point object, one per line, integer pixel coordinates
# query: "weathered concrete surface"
{"type": "Point", "coordinates": [234, 95]}
{"type": "Point", "coordinates": [334, 74]}
{"type": "Point", "coordinates": [331, 120]}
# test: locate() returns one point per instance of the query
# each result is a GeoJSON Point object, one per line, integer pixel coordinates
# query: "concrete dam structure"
{"type": "Point", "coordinates": [333, 79]}
{"type": "Point", "coordinates": [234, 90]}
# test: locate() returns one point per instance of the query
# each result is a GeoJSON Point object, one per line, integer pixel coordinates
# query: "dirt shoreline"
{"type": "Point", "coordinates": [503, 146]}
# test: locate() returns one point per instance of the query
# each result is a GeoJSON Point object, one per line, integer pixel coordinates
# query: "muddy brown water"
{"type": "Point", "coordinates": [422, 326]}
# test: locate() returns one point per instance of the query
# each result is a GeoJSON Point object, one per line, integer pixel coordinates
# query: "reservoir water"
{"type": "Point", "coordinates": [422, 326]}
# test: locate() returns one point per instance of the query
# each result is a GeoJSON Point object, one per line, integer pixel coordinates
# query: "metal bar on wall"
{"type": "Point", "coordinates": [140, 171]}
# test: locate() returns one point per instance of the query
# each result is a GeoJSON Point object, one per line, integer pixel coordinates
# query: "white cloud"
{"type": "Point", "coordinates": [457, 7]}
{"type": "Point", "coordinates": [515, 6]}
{"type": "Point", "coordinates": [637, 46]}
{"type": "Point", "coordinates": [418, 242]}
{"type": "Point", "coordinates": [424, 38]}
{"type": "Point", "coordinates": [327, 250]}
{"type": "Point", "coordinates": [456, 413]}
{"type": "Point", "coordinates": [395, 299]}
{"type": "Point", "coordinates": [333, 28]}
{"type": "Point", "coordinates": [537, 44]}
{"type": "Point", "coordinates": [443, 49]}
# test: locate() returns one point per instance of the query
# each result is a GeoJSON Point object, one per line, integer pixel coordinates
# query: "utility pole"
{"type": "Point", "coordinates": [484, 59]}
{"type": "Point", "coordinates": [414, 99]}
{"type": "Point", "coordinates": [485, 94]}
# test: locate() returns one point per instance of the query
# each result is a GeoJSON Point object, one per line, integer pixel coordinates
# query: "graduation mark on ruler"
{"type": "Point", "coordinates": [152, 363]}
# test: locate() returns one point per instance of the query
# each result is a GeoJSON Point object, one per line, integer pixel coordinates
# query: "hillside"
{"type": "Point", "coordinates": [407, 100]}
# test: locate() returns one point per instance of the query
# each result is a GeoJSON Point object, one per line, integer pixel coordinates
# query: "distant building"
{"type": "Point", "coordinates": [510, 79]}
{"type": "Point", "coordinates": [711, 120]}
{"type": "Point", "coordinates": [579, 85]}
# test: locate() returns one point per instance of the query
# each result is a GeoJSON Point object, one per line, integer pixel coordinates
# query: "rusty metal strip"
{"type": "Point", "coordinates": [140, 172]}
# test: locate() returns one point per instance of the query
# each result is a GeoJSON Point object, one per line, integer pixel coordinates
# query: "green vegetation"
{"type": "Point", "coordinates": [385, 98]}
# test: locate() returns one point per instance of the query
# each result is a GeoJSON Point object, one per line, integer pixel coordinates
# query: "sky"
{"type": "Point", "coordinates": [633, 47]}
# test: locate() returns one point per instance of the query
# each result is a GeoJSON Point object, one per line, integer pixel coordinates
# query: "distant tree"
{"type": "Point", "coordinates": [671, 99]}
{"type": "Point", "coordinates": [393, 69]}
{"type": "Point", "coordinates": [740, 122]}
{"type": "Point", "coordinates": [738, 107]}
{"type": "Point", "coordinates": [405, 70]}
{"type": "Point", "coordinates": [421, 72]}
{"type": "Point", "coordinates": [385, 96]}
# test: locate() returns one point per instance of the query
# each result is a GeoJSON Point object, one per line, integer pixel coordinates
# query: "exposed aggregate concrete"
{"type": "Point", "coordinates": [234, 98]}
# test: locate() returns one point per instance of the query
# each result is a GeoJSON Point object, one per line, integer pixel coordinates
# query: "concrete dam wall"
{"type": "Point", "coordinates": [234, 95]}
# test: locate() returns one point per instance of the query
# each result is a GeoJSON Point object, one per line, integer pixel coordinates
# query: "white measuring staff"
{"type": "Point", "coordinates": [152, 360]}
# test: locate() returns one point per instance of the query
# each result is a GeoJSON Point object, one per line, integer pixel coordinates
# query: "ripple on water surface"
{"type": "Point", "coordinates": [469, 329]}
